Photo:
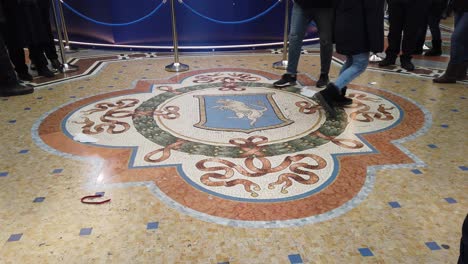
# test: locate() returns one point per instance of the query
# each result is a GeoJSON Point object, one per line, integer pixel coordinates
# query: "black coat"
{"type": "Point", "coordinates": [24, 23]}
{"type": "Point", "coordinates": [359, 26]}
{"type": "Point", "coordinates": [460, 5]}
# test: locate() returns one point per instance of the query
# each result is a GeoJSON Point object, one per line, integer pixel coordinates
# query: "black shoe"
{"type": "Point", "coordinates": [407, 64]}
{"type": "Point", "coordinates": [56, 64]}
{"type": "Point", "coordinates": [25, 76]}
{"type": "Point", "coordinates": [418, 52]}
{"type": "Point", "coordinates": [286, 80]}
{"type": "Point", "coordinates": [436, 49]}
{"type": "Point", "coordinates": [322, 81]}
{"type": "Point", "coordinates": [328, 97]}
{"type": "Point", "coordinates": [387, 61]}
{"type": "Point", "coordinates": [343, 100]}
{"type": "Point", "coordinates": [44, 71]}
{"type": "Point", "coordinates": [16, 89]}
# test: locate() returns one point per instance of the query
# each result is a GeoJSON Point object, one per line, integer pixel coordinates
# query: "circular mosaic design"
{"type": "Point", "coordinates": [241, 150]}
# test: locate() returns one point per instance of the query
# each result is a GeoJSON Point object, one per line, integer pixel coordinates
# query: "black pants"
{"type": "Point", "coordinates": [7, 74]}
{"type": "Point", "coordinates": [49, 46]}
{"type": "Point", "coordinates": [405, 20]}
{"type": "Point", "coordinates": [433, 21]}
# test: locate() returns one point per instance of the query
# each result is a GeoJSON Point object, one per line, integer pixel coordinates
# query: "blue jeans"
{"type": "Point", "coordinates": [353, 67]}
{"type": "Point", "coordinates": [300, 20]}
{"type": "Point", "coordinates": [459, 40]}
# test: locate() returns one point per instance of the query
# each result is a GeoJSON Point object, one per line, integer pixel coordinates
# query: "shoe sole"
{"type": "Point", "coordinates": [328, 108]}
{"type": "Point", "coordinates": [321, 86]}
{"type": "Point", "coordinates": [285, 85]}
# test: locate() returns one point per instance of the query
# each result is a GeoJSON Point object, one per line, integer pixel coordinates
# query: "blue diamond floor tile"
{"type": "Point", "coordinates": [152, 225]}
{"type": "Point", "coordinates": [86, 231]}
{"type": "Point", "coordinates": [450, 200]}
{"type": "Point", "coordinates": [295, 259]}
{"type": "Point", "coordinates": [15, 237]}
{"type": "Point", "coordinates": [39, 200]}
{"type": "Point", "coordinates": [433, 246]}
{"type": "Point", "coordinates": [366, 252]}
{"type": "Point", "coordinates": [57, 171]}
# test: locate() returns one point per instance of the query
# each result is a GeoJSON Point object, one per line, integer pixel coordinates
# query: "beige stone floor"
{"type": "Point", "coordinates": [50, 229]}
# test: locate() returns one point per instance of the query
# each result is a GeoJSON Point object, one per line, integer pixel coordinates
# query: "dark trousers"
{"type": "Point", "coordinates": [48, 47]}
{"type": "Point", "coordinates": [405, 20]}
{"type": "Point", "coordinates": [436, 9]}
{"type": "Point", "coordinates": [7, 74]}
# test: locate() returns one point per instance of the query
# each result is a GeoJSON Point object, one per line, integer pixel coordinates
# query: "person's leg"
{"type": "Point", "coordinates": [463, 257]}
{"type": "Point", "coordinates": [422, 31]}
{"type": "Point", "coordinates": [300, 19]}
{"type": "Point", "coordinates": [396, 20]}
{"type": "Point", "coordinates": [49, 46]}
{"type": "Point", "coordinates": [36, 53]}
{"type": "Point", "coordinates": [434, 21]}
{"type": "Point", "coordinates": [9, 85]}
{"type": "Point", "coordinates": [324, 18]}
{"type": "Point", "coordinates": [456, 68]}
{"type": "Point", "coordinates": [347, 64]}
{"type": "Point", "coordinates": [358, 66]}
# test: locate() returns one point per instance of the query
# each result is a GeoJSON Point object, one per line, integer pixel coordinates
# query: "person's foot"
{"type": "Point", "coordinates": [387, 62]}
{"type": "Point", "coordinates": [286, 80]}
{"type": "Point", "coordinates": [56, 64]}
{"type": "Point", "coordinates": [342, 100]}
{"type": "Point", "coordinates": [44, 71]}
{"type": "Point", "coordinates": [328, 97]}
{"type": "Point", "coordinates": [407, 64]}
{"type": "Point", "coordinates": [418, 52]}
{"type": "Point", "coordinates": [322, 81]}
{"type": "Point", "coordinates": [16, 89]}
{"type": "Point", "coordinates": [25, 76]}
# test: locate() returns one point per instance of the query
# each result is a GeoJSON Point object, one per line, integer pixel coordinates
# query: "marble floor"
{"type": "Point", "coordinates": [214, 165]}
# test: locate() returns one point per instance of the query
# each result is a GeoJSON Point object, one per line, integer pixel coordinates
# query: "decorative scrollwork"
{"type": "Point", "coordinates": [252, 170]}
{"type": "Point", "coordinates": [114, 111]}
{"type": "Point", "coordinates": [168, 112]}
{"type": "Point", "coordinates": [166, 152]}
{"type": "Point", "coordinates": [307, 108]}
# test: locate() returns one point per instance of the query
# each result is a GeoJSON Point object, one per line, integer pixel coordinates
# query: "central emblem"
{"type": "Point", "coordinates": [240, 113]}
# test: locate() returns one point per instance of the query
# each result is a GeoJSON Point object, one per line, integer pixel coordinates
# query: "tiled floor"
{"type": "Point", "coordinates": [215, 166]}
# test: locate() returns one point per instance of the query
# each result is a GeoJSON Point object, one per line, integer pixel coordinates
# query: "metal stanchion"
{"type": "Point", "coordinates": [65, 66]}
{"type": "Point", "coordinates": [64, 28]}
{"type": "Point", "coordinates": [176, 66]}
{"type": "Point", "coordinates": [283, 64]}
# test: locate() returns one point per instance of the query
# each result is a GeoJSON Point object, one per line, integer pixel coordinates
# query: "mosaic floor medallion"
{"type": "Point", "coordinates": [222, 145]}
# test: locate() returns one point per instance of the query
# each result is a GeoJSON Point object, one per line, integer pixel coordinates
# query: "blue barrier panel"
{"type": "Point", "coordinates": [201, 24]}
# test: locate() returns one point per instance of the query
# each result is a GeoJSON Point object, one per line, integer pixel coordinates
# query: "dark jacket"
{"type": "Point", "coordinates": [460, 6]}
{"type": "Point", "coordinates": [24, 23]}
{"type": "Point", "coordinates": [359, 26]}
{"type": "Point", "coordinates": [314, 3]}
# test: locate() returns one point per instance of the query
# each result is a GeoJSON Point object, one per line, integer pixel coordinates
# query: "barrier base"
{"type": "Point", "coordinates": [177, 67]}
{"type": "Point", "coordinates": [68, 68]}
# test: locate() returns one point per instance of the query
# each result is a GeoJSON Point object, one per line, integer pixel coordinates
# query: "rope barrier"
{"type": "Point", "coordinates": [231, 22]}
{"type": "Point", "coordinates": [112, 24]}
